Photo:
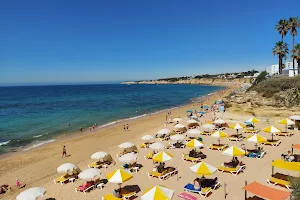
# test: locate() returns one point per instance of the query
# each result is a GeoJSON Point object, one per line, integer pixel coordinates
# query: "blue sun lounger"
{"type": "Point", "coordinates": [202, 191]}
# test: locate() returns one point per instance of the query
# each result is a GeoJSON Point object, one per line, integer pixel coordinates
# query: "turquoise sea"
{"type": "Point", "coordinates": [33, 115]}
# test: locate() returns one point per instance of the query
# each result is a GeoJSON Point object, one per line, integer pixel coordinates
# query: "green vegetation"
{"type": "Point", "coordinates": [295, 183]}
{"type": "Point", "coordinates": [281, 49]}
{"type": "Point", "coordinates": [261, 77]}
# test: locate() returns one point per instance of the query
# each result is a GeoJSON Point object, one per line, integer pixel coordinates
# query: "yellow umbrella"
{"type": "Point", "coordinates": [234, 151]}
{"type": "Point", "coordinates": [162, 157]}
{"type": "Point", "coordinates": [119, 176]}
{"type": "Point", "coordinates": [158, 192]}
{"type": "Point", "coordinates": [237, 126]}
{"type": "Point", "coordinates": [287, 122]}
{"type": "Point", "coordinates": [219, 134]}
{"type": "Point", "coordinates": [257, 139]}
{"type": "Point", "coordinates": [272, 129]}
{"type": "Point", "coordinates": [194, 143]}
{"type": "Point", "coordinates": [253, 120]}
{"type": "Point", "coordinates": [203, 168]}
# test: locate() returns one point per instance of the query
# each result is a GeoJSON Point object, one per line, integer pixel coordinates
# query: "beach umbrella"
{"type": "Point", "coordinates": [189, 111]}
{"type": "Point", "coordinates": [164, 131]}
{"type": "Point", "coordinates": [194, 117]}
{"type": "Point", "coordinates": [208, 126]}
{"type": "Point", "coordinates": [99, 155]}
{"type": "Point", "coordinates": [158, 192]}
{"type": "Point", "coordinates": [237, 126]}
{"type": "Point", "coordinates": [203, 168]}
{"type": "Point", "coordinates": [253, 120]}
{"type": "Point", "coordinates": [177, 119]}
{"type": "Point", "coordinates": [257, 139]}
{"type": "Point", "coordinates": [234, 151]}
{"type": "Point", "coordinates": [32, 194]}
{"type": "Point", "coordinates": [89, 174]}
{"type": "Point", "coordinates": [192, 121]}
{"type": "Point", "coordinates": [162, 157]}
{"type": "Point", "coordinates": [219, 134]}
{"type": "Point", "coordinates": [219, 121]}
{"type": "Point", "coordinates": [177, 137]}
{"type": "Point", "coordinates": [194, 143]}
{"type": "Point", "coordinates": [67, 167]}
{"type": "Point", "coordinates": [287, 122]}
{"type": "Point", "coordinates": [272, 130]}
{"type": "Point", "coordinates": [295, 117]}
{"type": "Point", "coordinates": [147, 137]}
{"type": "Point", "coordinates": [179, 126]}
{"type": "Point", "coordinates": [157, 146]}
{"type": "Point", "coordinates": [119, 176]}
{"type": "Point", "coordinates": [193, 132]}
{"type": "Point", "coordinates": [201, 113]}
{"type": "Point", "coordinates": [128, 158]}
{"type": "Point", "coordinates": [126, 145]}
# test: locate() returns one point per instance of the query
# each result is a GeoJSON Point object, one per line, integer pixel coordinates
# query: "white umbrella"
{"type": "Point", "coordinates": [32, 194]}
{"type": "Point", "coordinates": [64, 168]}
{"type": "Point", "coordinates": [177, 137]}
{"type": "Point", "coordinates": [156, 146]}
{"type": "Point", "coordinates": [147, 137]}
{"type": "Point", "coordinates": [126, 145]}
{"type": "Point", "coordinates": [177, 119]}
{"type": "Point", "coordinates": [179, 126]}
{"type": "Point", "coordinates": [128, 158]}
{"type": "Point", "coordinates": [164, 131]}
{"type": "Point", "coordinates": [295, 117]}
{"type": "Point", "coordinates": [89, 174]}
{"type": "Point", "coordinates": [208, 126]}
{"type": "Point", "coordinates": [158, 192]}
{"type": "Point", "coordinates": [99, 155]}
{"type": "Point", "coordinates": [192, 121]}
{"type": "Point", "coordinates": [194, 117]}
{"type": "Point", "coordinates": [219, 121]}
{"type": "Point", "coordinates": [193, 132]}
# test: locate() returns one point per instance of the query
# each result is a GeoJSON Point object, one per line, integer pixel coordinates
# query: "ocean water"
{"type": "Point", "coordinates": [33, 115]}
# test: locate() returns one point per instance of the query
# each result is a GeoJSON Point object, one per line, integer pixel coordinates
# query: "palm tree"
{"type": "Point", "coordinates": [294, 23]}
{"type": "Point", "coordinates": [282, 27]}
{"type": "Point", "coordinates": [297, 55]}
{"type": "Point", "coordinates": [280, 49]}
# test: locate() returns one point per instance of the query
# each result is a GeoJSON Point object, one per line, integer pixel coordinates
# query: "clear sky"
{"type": "Point", "coordinates": [59, 41]}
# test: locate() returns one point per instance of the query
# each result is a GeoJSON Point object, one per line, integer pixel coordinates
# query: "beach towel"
{"type": "Point", "coordinates": [191, 187]}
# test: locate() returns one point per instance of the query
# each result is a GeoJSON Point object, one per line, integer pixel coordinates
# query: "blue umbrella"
{"type": "Point", "coordinates": [189, 111]}
{"type": "Point", "coordinates": [202, 113]}
{"type": "Point", "coordinates": [205, 106]}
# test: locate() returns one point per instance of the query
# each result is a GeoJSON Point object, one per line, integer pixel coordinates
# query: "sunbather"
{"type": "Point", "coordinates": [209, 182]}
{"type": "Point", "coordinates": [197, 184]}
{"type": "Point", "coordinates": [4, 188]}
{"type": "Point", "coordinates": [83, 187]}
{"type": "Point", "coordinates": [233, 163]}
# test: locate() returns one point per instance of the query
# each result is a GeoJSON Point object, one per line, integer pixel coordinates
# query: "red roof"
{"type": "Point", "coordinates": [266, 192]}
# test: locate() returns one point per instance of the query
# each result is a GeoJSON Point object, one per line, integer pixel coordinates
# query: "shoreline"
{"type": "Point", "coordinates": [77, 134]}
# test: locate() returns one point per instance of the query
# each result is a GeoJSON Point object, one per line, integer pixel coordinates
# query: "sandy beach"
{"type": "Point", "coordinates": [37, 167]}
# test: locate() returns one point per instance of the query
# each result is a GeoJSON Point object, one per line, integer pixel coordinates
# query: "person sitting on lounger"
{"type": "Point", "coordinates": [197, 184]}
{"type": "Point", "coordinates": [234, 163]}
{"type": "Point", "coordinates": [117, 193]}
{"type": "Point", "coordinates": [161, 168]}
{"type": "Point", "coordinates": [192, 153]}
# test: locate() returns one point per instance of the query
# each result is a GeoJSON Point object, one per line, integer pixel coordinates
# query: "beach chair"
{"type": "Point", "coordinates": [272, 143]}
{"type": "Point", "coordinates": [162, 176]}
{"type": "Point", "coordinates": [186, 196]}
{"type": "Point", "coordinates": [235, 139]}
{"type": "Point", "coordinates": [285, 134]}
{"type": "Point", "coordinates": [233, 171]}
{"type": "Point", "coordinates": [85, 188]}
{"type": "Point", "coordinates": [203, 192]}
{"type": "Point", "coordinates": [251, 131]}
{"type": "Point", "coordinates": [277, 181]}
{"type": "Point", "coordinates": [127, 194]}
{"type": "Point", "coordinates": [206, 133]}
{"type": "Point", "coordinates": [110, 197]}
{"type": "Point", "coordinates": [143, 145]}
{"type": "Point", "coordinates": [217, 147]}
{"type": "Point", "coordinates": [256, 155]}
{"type": "Point", "coordinates": [62, 179]}
{"type": "Point", "coordinates": [186, 157]}
{"type": "Point", "coordinates": [149, 156]}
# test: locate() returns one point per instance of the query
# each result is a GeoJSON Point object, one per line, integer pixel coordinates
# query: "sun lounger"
{"type": "Point", "coordinates": [127, 194]}
{"type": "Point", "coordinates": [251, 131]}
{"type": "Point", "coordinates": [273, 143]}
{"type": "Point", "coordinates": [217, 147]}
{"type": "Point", "coordinates": [110, 197]}
{"type": "Point", "coordinates": [186, 157]}
{"type": "Point", "coordinates": [235, 139]}
{"type": "Point", "coordinates": [84, 188]}
{"type": "Point", "coordinates": [162, 176]}
{"type": "Point", "coordinates": [186, 196]}
{"type": "Point", "coordinates": [256, 155]}
{"type": "Point", "coordinates": [149, 156]}
{"type": "Point", "coordinates": [206, 133]}
{"type": "Point", "coordinates": [277, 181]}
{"type": "Point", "coordinates": [62, 180]}
{"type": "Point", "coordinates": [286, 134]}
{"type": "Point", "coordinates": [234, 171]}
{"type": "Point", "coordinates": [203, 191]}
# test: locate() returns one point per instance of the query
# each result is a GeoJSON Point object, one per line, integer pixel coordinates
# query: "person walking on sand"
{"type": "Point", "coordinates": [124, 127]}
{"type": "Point", "coordinates": [80, 129]}
{"type": "Point", "coordinates": [64, 153]}
{"type": "Point", "coordinates": [127, 127]}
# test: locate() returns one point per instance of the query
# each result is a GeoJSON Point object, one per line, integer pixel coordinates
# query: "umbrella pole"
{"type": "Point", "coordinates": [253, 126]}
{"type": "Point", "coordinates": [245, 191]}
{"type": "Point", "coordinates": [292, 149]}
{"type": "Point", "coordinates": [219, 141]}
{"type": "Point", "coordinates": [272, 137]}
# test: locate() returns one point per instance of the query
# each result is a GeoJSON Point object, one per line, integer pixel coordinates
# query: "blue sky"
{"type": "Point", "coordinates": [57, 41]}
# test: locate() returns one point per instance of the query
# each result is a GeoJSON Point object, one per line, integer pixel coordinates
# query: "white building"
{"type": "Point", "coordinates": [273, 69]}
{"type": "Point", "coordinates": [289, 72]}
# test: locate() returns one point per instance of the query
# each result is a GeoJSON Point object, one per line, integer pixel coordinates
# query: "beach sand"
{"type": "Point", "coordinates": [37, 167]}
